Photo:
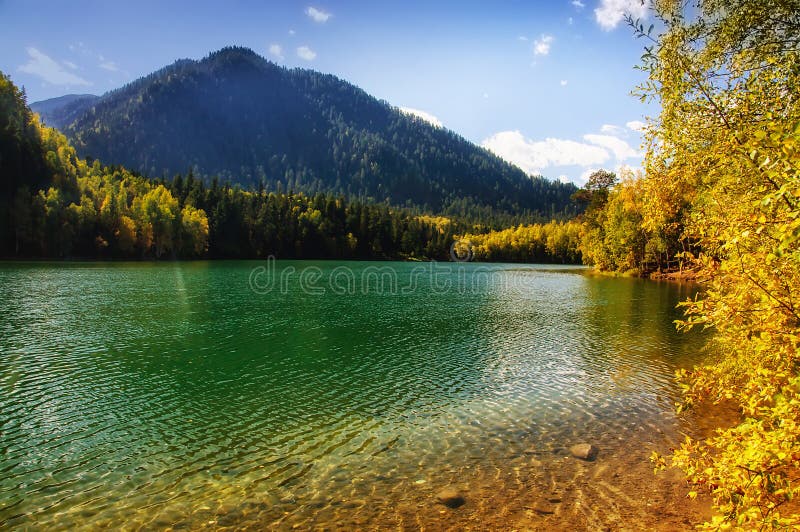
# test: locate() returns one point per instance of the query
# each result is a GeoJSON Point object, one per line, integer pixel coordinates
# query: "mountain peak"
{"type": "Point", "coordinates": [234, 55]}
{"type": "Point", "coordinates": [233, 52]}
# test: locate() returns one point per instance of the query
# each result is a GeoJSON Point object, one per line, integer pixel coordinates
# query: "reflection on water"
{"type": "Point", "coordinates": [169, 395]}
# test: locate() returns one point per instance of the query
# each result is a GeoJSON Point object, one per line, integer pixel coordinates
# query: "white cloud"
{"type": "Point", "coordinates": [534, 156]}
{"type": "Point", "coordinates": [304, 52]}
{"type": "Point", "coordinates": [611, 12]}
{"type": "Point", "coordinates": [522, 38]}
{"type": "Point", "coordinates": [423, 115]}
{"type": "Point", "coordinates": [70, 64]}
{"type": "Point", "coordinates": [569, 21]}
{"type": "Point", "coordinates": [276, 51]}
{"type": "Point", "coordinates": [44, 67]}
{"type": "Point", "coordinates": [621, 149]}
{"type": "Point", "coordinates": [292, 32]}
{"type": "Point", "coordinates": [611, 129]}
{"type": "Point", "coordinates": [92, 55]}
{"type": "Point", "coordinates": [636, 125]}
{"type": "Point", "coordinates": [563, 83]}
{"type": "Point", "coordinates": [541, 46]}
{"type": "Point", "coordinates": [111, 66]}
{"type": "Point", "coordinates": [578, 4]}
{"type": "Point", "coordinates": [317, 15]}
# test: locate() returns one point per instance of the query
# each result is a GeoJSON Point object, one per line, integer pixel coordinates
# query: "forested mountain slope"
{"type": "Point", "coordinates": [240, 117]}
{"type": "Point", "coordinates": [55, 204]}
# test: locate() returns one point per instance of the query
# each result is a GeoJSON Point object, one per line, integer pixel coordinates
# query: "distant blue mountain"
{"type": "Point", "coordinates": [62, 111]}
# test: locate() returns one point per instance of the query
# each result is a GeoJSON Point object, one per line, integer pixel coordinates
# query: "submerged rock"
{"type": "Point", "coordinates": [584, 451]}
{"type": "Point", "coordinates": [544, 509]}
{"type": "Point", "coordinates": [450, 498]}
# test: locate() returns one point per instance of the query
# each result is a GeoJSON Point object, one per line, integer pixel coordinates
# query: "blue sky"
{"type": "Point", "coordinates": [545, 85]}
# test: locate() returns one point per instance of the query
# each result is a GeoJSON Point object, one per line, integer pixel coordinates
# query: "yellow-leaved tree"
{"type": "Point", "coordinates": [722, 166]}
{"type": "Point", "coordinates": [157, 212]}
{"type": "Point", "coordinates": [194, 231]}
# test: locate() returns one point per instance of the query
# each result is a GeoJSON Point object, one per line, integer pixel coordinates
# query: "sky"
{"type": "Point", "coordinates": [544, 84]}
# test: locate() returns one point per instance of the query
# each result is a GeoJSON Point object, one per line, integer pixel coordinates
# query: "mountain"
{"type": "Point", "coordinates": [62, 111]}
{"type": "Point", "coordinates": [238, 116]}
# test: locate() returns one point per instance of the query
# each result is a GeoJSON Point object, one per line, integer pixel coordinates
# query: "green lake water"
{"type": "Point", "coordinates": [158, 395]}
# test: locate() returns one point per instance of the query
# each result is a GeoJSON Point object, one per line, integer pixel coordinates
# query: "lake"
{"type": "Point", "coordinates": [313, 394]}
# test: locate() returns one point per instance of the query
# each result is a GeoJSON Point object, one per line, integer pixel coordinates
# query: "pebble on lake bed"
{"type": "Point", "coordinates": [584, 451]}
{"type": "Point", "coordinates": [450, 498]}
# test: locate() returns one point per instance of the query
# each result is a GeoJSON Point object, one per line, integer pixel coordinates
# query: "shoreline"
{"type": "Point", "coordinates": [83, 260]}
{"type": "Point", "coordinates": [685, 276]}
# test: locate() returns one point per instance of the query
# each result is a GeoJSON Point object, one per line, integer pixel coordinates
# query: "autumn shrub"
{"type": "Point", "coordinates": [724, 153]}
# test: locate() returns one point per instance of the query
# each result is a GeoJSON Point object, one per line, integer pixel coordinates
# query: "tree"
{"type": "Point", "coordinates": [22, 165]}
{"type": "Point", "coordinates": [594, 193]}
{"type": "Point", "coordinates": [194, 231]}
{"type": "Point", "coordinates": [594, 197]}
{"type": "Point", "coordinates": [726, 75]}
{"type": "Point", "coordinates": [157, 213]}
{"type": "Point", "coordinates": [125, 235]}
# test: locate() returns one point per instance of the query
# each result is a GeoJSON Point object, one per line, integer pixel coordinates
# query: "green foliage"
{"type": "Point", "coordinates": [22, 162]}
{"type": "Point", "coordinates": [259, 224]}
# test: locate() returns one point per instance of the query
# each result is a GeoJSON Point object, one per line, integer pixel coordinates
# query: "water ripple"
{"type": "Point", "coordinates": [137, 397]}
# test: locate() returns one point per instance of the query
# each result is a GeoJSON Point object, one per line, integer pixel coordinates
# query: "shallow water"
{"type": "Point", "coordinates": [140, 395]}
